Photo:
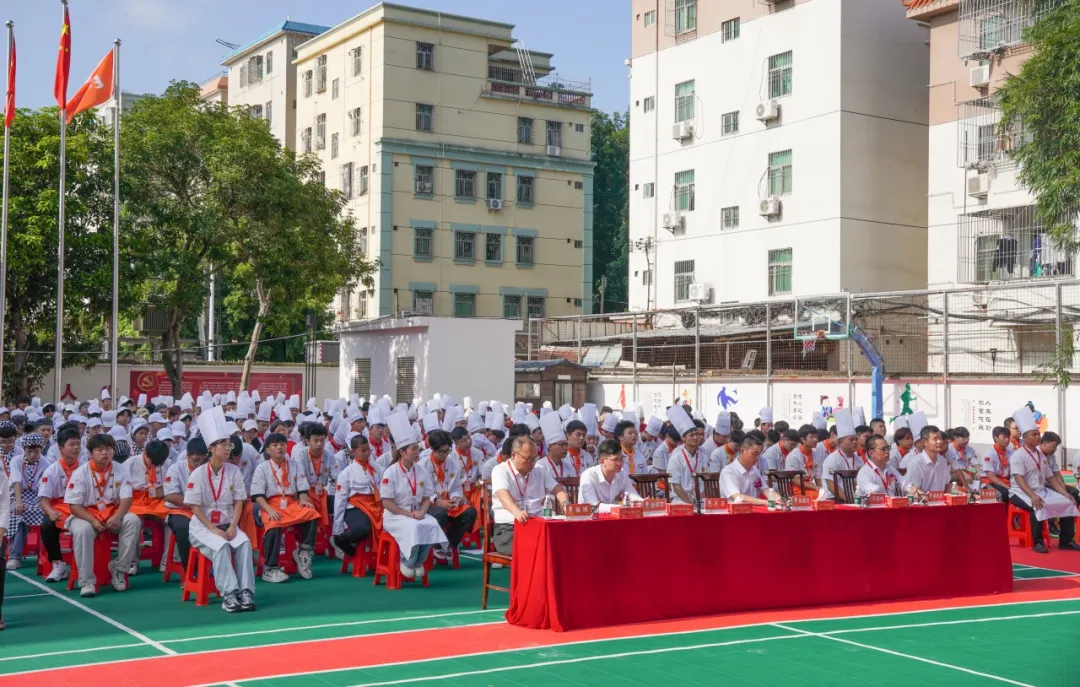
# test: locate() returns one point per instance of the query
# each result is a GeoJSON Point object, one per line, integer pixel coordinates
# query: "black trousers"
{"type": "Point", "coordinates": [455, 527]}
{"type": "Point", "coordinates": [3, 571]}
{"type": "Point", "coordinates": [502, 536]}
{"type": "Point", "coordinates": [1074, 492]}
{"type": "Point", "coordinates": [272, 540]}
{"type": "Point", "coordinates": [179, 526]}
{"type": "Point", "coordinates": [1003, 491]}
{"type": "Point", "coordinates": [1068, 525]}
{"type": "Point", "coordinates": [358, 526]}
{"type": "Point", "coordinates": [50, 537]}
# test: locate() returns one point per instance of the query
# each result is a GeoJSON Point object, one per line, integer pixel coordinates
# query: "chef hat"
{"type": "Point", "coordinates": [264, 412]}
{"type": "Point", "coordinates": [205, 403]}
{"type": "Point", "coordinates": [36, 401]}
{"type": "Point", "coordinates": [446, 401]}
{"type": "Point", "coordinates": [178, 429]}
{"type": "Point", "coordinates": [212, 426]}
{"type": "Point", "coordinates": [108, 418]}
{"type": "Point", "coordinates": [105, 395]}
{"type": "Point", "coordinates": [723, 423]}
{"type": "Point", "coordinates": [680, 419]}
{"type": "Point", "coordinates": [496, 419]}
{"type": "Point", "coordinates": [899, 422]}
{"type": "Point", "coordinates": [164, 434]}
{"type": "Point", "coordinates": [630, 416]}
{"type": "Point", "coordinates": [245, 406]}
{"type": "Point", "coordinates": [293, 402]}
{"type": "Point", "coordinates": [474, 423]}
{"type": "Point", "coordinates": [93, 422]}
{"type": "Point", "coordinates": [33, 440]}
{"type": "Point", "coordinates": [818, 420]}
{"type": "Point", "coordinates": [118, 433]}
{"type": "Point", "coordinates": [343, 436]}
{"type": "Point", "coordinates": [765, 414]}
{"type": "Point", "coordinates": [232, 428]}
{"type": "Point", "coordinates": [588, 416]}
{"type": "Point", "coordinates": [230, 397]}
{"type": "Point", "coordinates": [655, 426]}
{"type": "Point", "coordinates": [375, 416]}
{"type": "Point", "coordinates": [452, 416]}
{"type": "Point", "coordinates": [1025, 420]}
{"type": "Point", "coordinates": [124, 400]}
{"type": "Point", "coordinates": [547, 404]}
{"type": "Point", "coordinates": [518, 416]}
{"type": "Point", "coordinates": [482, 408]}
{"type": "Point", "coordinates": [284, 414]}
{"type": "Point", "coordinates": [552, 427]}
{"type": "Point", "coordinates": [845, 425]}
{"type": "Point", "coordinates": [916, 421]}
{"type": "Point", "coordinates": [858, 416]}
{"type": "Point", "coordinates": [401, 430]}
{"type": "Point", "coordinates": [546, 411]}
{"type": "Point", "coordinates": [384, 406]}
{"type": "Point", "coordinates": [610, 420]}
{"type": "Point", "coordinates": [565, 411]}
{"type": "Point", "coordinates": [532, 422]}
{"type": "Point", "coordinates": [431, 422]}
{"type": "Point", "coordinates": [255, 396]}
{"type": "Point", "coordinates": [250, 425]}
{"type": "Point", "coordinates": [466, 403]}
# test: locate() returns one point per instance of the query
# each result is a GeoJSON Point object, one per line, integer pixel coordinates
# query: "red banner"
{"type": "Point", "coordinates": [156, 383]}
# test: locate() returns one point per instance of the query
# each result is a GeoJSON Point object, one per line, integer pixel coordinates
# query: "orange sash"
{"type": "Point", "coordinates": [143, 504]}
{"type": "Point", "coordinates": [246, 524]}
{"type": "Point", "coordinates": [319, 501]}
{"type": "Point", "coordinates": [103, 514]}
{"type": "Point", "coordinates": [373, 508]}
{"type": "Point", "coordinates": [293, 514]}
{"type": "Point", "coordinates": [63, 509]}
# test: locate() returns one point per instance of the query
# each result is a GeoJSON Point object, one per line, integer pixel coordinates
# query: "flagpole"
{"type": "Point", "coordinates": [116, 218]}
{"type": "Point", "coordinates": [57, 389]}
{"type": "Point", "coordinates": [4, 219]}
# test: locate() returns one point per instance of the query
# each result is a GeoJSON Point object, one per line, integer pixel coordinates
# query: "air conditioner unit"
{"type": "Point", "coordinates": [494, 204]}
{"type": "Point", "coordinates": [674, 221]}
{"type": "Point", "coordinates": [770, 207]}
{"type": "Point", "coordinates": [554, 151]}
{"type": "Point", "coordinates": [767, 111]}
{"type": "Point", "coordinates": [682, 131]}
{"type": "Point", "coordinates": [978, 186]}
{"type": "Point", "coordinates": [980, 76]}
{"type": "Point", "coordinates": [700, 293]}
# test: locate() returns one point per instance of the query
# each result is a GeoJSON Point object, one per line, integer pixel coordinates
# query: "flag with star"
{"type": "Point", "coordinates": [63, 63]}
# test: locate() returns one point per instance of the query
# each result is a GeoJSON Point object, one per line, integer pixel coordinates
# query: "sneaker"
{"type": "Point", "coordinates": [1039, 548]}
{"type": "Point", "coordinates": [274, 575]}
{"type": "Point", "coordinates": [247, 600]}
{"type": "Point", "coordinates": [441, 555]}
{"type": "Point", "coordinates": [303, 562]}
{"type": "Point", "coordinates": [231, 603]}
{"type": "Point", "coordinates": [1055, 531]}
{"type": "Point", "coordinates": [133, 570]}
{"type": "Point", "coordinates": [14, 563]}
{"type": "Point", "coordinates": [59, 572]}
{"type": "Point", "coordinates": [119, 577]}
{"type": "Point", "coordinates": [407, 572]}
{"type": "Point", "coordinates": [88, 590]}
{"type": "Point", "coordinates": [164, 564]}
{"type": "Point", "coordinates": [338, 552]}
{"type": "Point", "coordinates": [1069, 546]}
{"type": "Point", "coordinates": [420, 572]}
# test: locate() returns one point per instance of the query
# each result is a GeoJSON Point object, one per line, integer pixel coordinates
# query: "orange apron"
{"type": "Point", "coordinates": [103, 514]}
{"type": "Point", "coordinates": [246, 524]}
{"type": "Point", "coordinates": [63, 509]}
{"type": "Point", "coordinates": [317, 494]}
{"type": "Point", "coordinates": [373, 508]}
{"type": "Point", "coordinates": [440, 475]}
{"type": "Point", "coordinates": [473, 493]}
{"type": "Point", "coordinates": [808, 465]}
{"type": "Point", "coordinates": [292, 514]}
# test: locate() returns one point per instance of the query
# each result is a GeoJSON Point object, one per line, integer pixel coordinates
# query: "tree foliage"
{"type": "Point", "coordinates": [611, 209]}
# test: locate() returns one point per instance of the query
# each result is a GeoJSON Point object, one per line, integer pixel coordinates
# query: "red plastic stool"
{"type": "Point", "coordinates": [1021, 536]}
{"type": "Point", "coordinates": [388, 563]}
{"type": "Point", "coordinates": [362, 561]}
{"type": "Point", "coordinates": [198, 580]}
{"type": "Point", "coordinates": [471, 540]}
{"type": "Point", "coordinates": [322, 542]}
{"type": "Point", "coordinates": [285, 560]}
{"type": "Point", "coordinates": [102, 555]}
{"type": "Point", "coordinates": [455, 561]}
{"type": "Point", "coordinates": [44, 565]}
{"type": "Point", "coordinates": [172, 567]}
{"type": "Point", "coordinates": [154, 551]}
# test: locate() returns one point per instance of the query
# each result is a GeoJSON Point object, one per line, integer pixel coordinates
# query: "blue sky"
{"type": "Point", "coordinates": [174, 39]}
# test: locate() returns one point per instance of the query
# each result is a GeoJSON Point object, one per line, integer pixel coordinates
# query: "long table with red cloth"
{"type": "Point", "coordinates": [569, 575]}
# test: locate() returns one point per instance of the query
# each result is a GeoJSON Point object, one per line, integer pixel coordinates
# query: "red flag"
{"type": "Point", "coordinates": [98, 88]}
{"type": "Point", "coordinates": [63, 63]}
{"type": "Point", "coordinates": [9, 107]}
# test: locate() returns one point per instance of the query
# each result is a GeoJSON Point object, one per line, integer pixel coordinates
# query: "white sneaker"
{"type": "Point", "coordinates": [407, 572]}
{"type": "Point", "coordinates": [164, 563]}
{"type": "Point", "coordinates": [274, 575]}
{"type": "Point", "coordinates": [119, 577]}
{"type": "Point", "coordinates": [303, 562]}
{"type": "Point", "coordinates": [133, 570]}
{"type": "Point", "coordinates": [338, 552]}
{"type": "Point", "coordinates": [59, 572]}
{"type": "Point", "coordinates": [496, 566]}
{"type": "Point", "coordinates": [13, 563]}
{"type": "Point", "coordinates": [420, 572]}
{"type": "Point", "coordinates": [441, 555]}
{"type": "Point", "coordinates": [88, 590]}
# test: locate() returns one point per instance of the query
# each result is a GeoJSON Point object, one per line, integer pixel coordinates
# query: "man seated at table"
{"type": "Point", "coordinates": [556, 461]}
{"type": "Point", "coordinates": [963, 460]}
{"type": "Point", "coordinates": [843, 458]}
{"type": "Point", "coordinates": [928, 470]}
{"type": "Point", "coordinates": [280, 489]}
{"type": "Point", "coordinates": [775, 457]}
{"type": "Point", "coordinates": [878, 476]}
{"type": "Point", "coordinates": [741, 482]}
{"type": "Point", "coordinates": [803, 460]}
{"type": "Point", "coordinates": [903, 441]}
{"type": "Point", "coordinates": [607, 484]}
{"type": "Point", "coordinates": [686, 461]}
{"type": "Point", "coordinates": [995, 463]}
{"type": "Point", "coordinates": [724, 455]}
{"type": "Point", "coordinates": [518, 492]}
{"type": "Point", "coordinates": [658, 461]}
{"type": "Point", "coordinates": [1037, 487]}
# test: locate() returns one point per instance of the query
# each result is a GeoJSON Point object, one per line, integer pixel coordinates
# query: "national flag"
{"type": "Point", "coordinates": [9, 107]}
{"type": "Point", "coordinates": [98, 88]}
{"type": "Point", "coordinates": [63, 63]}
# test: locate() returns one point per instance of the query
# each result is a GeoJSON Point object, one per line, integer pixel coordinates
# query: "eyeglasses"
{"type": "Point", "coordinates": [614, 459]}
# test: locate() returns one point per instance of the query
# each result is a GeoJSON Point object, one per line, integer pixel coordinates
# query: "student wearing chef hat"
{"type": "Point", "coordinates": [915, 422]}
{"type": "Point", "coordinates": [1038, 488]}
{"type": "Point", "coordinates": [843, 458]}
{"type": "Point", "coordinates": [686, 460]}
{"type": "Point", "coordinates": [765, 420]}
{"type": "Point", "coordinates": [556, 461]}
{"type": "Point", "coordinates": [719, 434]}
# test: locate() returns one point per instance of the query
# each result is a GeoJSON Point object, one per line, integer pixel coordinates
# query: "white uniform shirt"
{"type": "Point", "coordinates": [771, 458]}
{"type": "Point", "coordinates": [587, 461]}
{"type": "Point", "coordinates": [228, 486]}
{"type": "Point", "coordinates": [683, 469]}
{"type": "Point", "coordinates": [896, 459]}
{"type": "Point", "coordinates": [719, 459]}
{"type": "Point", "coordinates": [927, 475]}
{"type": "Point", "coordinates": [1033, 466]}
{"type": "Point", "coordinates": [353, 479]}
{"type": "Point", "coordinates": [451, 482]}
{"type": "Point", "coordinates": [138, 473]}
{"type": "Point", "coordinates": [992, 463]}
{"type": "Point", "coordinates": [558, 468]}
{"type": "Point", "coordinates": [968, 461]}
{"type": "Point", "coordinates": [5, 503]}
{"type": "Point", "coordinates": [660, 456]}
{"type": "Point", "coordinates": [596, 490]}
{"type": "Point", "coordinates": [836, 461]}
{"type": "Point", "coordinates": [527, 491]}
{"type": "Point", "coordinates": [176, 480]}
{"type": "Point", "coordinates": [735, 479]}
{"type": "Point", "coordinates": [83, 490]}
{"type": "Point", "coordinates": [406, 488]}
{"type": "Point", "coordinates": [54, 482]}
{"type": "Point", "coordinates": [476, 455]}
{"type": "Point", "coordinates": [796, 460]}
{"type": "Point", "coordinates": [872, 480]}
{"type": "Point", "coordinates": [321, 480]}
{"type": "Point", "coordinates": [265, 481]}
{"type": "Point", "coordinates": [637, 460]}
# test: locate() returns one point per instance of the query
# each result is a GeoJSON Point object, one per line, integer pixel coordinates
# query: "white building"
{"type": "Point", "coordinates": [262, 76]}
{"type": "Point", "coordinates": [106, 111]}
{"type": "Point", "coordinates": [783, 143]}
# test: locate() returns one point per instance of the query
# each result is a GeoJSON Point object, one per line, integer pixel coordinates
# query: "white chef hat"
{"type": "Point", "coordinates": [723, 423]}
{"type": "Point", "coordinates": [142, 400]}
{"type": "Point", "coordinates": [232, 428]}
{"type": "Point", "coordinates": [108, 418]}
{"type": "Point", "coordinates": [495, 419]}
{"type": "Point", "coordinates": [466, 403]}
{"type": "Point", "coordinates": [264, 412]}
{"type": "Point", "coordinates": [255, 396]}
{"type": "Point", "coordinates": [118, 433]}
{"type": "Point", "coordinates": [212, 426]}
{"type": "Point", "coordinates": [375, 416]}
{"type": "Point", "coordinates": [1025, 420]}
{"type": "Point", "coordinates": [230, 397]}
{"type": "Point", "coordinates": [899, 422]}
{"type": "Point", "coordinates": [178, 429]}
{"type": "Point", "coordinates": [818, 420]}
{"type": "Point", "coordinates": [431, 422]}
{"type": "Point", "coordinates": [105, 395]}
{"type": "Point", "coordinates": [588, 416]}
{"type": "Point", "coordinates": [164, 434]}
{"type": "Point", "coordinates": [552, 427]}
{"type": "Point", "coordinates": [547, 404]}
{"type": "Point", "coordinates": [858, 416]}
{"type": "Point", "coordinates": [765, 414]}
{"type": "Point", "coordinates": [453, 415]}
{"type": "Point", "coordinates": [517, 416]}
{"type": "Point", "coordinates": [656, 424]}
{"type": "Point", "coordinates": [545, 411]}
{"type": "Point", "coordinates": [250, 425]}
{"type": "Point", "coordinates": [680, 419]}
{"type": "Point", "coordinates": [531, 421]}
{"type": "Point", "coordinates": [845, 424]}
{"type": "Point", "coordinates": [631, 417]}
{"type": "Point", "coordinates": [482, 407]}
{"type": "Point", "coordinates": [565, 411]}
{"type": "Point", "coordinates": [93, 422]}
{"type": "Point", "coordinates": [156, 417]}
{"type": "Point", "coordinates": [401, 430]}
{"type": "Point", "coordinates": [610, 421]}
{"type": "Point", "coordinates": [916, 421]}
{"type": "Point", "coordinates": [474, 423]}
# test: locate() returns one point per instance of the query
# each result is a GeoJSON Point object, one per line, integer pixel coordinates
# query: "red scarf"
{"type": "Point", "coordinates": [575, 455]}
{"type": "Point", "coordinates": [1003, 460]}
{"type": "Point", "coordinates": [808, 460]}
{"type": "Point", "coordinates": [466, 459]}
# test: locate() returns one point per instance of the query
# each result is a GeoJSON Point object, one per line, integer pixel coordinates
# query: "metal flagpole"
{"type": "Point", "coordinates": [57, 389]}
{"type": "Point", "coordinates": [4, 219]}
{"type": "Point", "coordinates": [116, 220]}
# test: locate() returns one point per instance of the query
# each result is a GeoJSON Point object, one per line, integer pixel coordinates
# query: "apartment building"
{"type": "Point", "coordinates": [216, 89]}
{"type": "Point", "coordinates": [262, 76]}
{"type": "Point", "coordinates": [465, 159]}
{"type": "Point", "coordinates": [778, 149]}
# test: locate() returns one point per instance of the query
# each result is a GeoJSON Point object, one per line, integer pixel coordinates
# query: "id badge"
{"type": "Point", "coordinates": [283, 504]}
{"type": "Point", "coordinates": [465, 485]}
{"type": "Point", "coordinates": [215, 516]}
{"type": "Point", "coordinates": [318, 489]}
{"type": "Point", "coordinates": [101, 506]}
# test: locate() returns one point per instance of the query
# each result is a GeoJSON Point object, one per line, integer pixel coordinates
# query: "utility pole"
{"type": "Point", "coordinates": [603, 288]}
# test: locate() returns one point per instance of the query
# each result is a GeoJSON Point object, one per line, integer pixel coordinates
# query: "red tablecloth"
{"type": "Point", "coordinates": [574, 575]}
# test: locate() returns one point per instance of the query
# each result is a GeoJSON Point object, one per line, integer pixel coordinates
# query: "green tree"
{"type": "Point", "coordinates": [611, 208]}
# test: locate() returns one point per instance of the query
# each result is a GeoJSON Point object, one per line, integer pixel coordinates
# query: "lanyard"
{"type": "Point", "coordinates": [1038, 461]}
{"type": "Point", "coordinates": [440, 473]}
{"type": "Point", "coordinates": [215, 494]}
{"type": "Point", "coordinates": [884, 480]}
{"type": "Point", "coordinates": [466, 459]}
{"type": "Point", "coordinates": [845, 458]}
{"type": "Point", "coordinates": [411, 482]}
{"type": "Point", "coordinates": [521, 489]}
{"type": "Point", "coordinates": [686, 457]}
{"type": "Point", "coordinates": [103, 484]}
{"type": "Point", "coordinates": [556, 470]}
{"type": "Point", "coordinates": [284, 481]}
{"type": "Point", "coordinates": [316, 465]}
{"type": "Point", "coordinates": [576, 457]}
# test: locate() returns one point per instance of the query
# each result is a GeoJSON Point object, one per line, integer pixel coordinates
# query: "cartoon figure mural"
{"type": "Point", "coordinates": [906, 398]}
{"type": "Point", "coordinates": [726, 401]}
{"type": "Point", "coordinates": [1040, 419]}
{"type": "Point", "coordinates": [827, 409]}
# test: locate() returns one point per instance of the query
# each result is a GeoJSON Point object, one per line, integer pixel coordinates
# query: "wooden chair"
{"type": "Point", "coordinates": [571, 485]}
{"type": "Point", "coordinates": [490, 555]}
{"type": "Point", "coordinates": [784, 481]}
{"type": "Point", "coordinates": [646, 485]}
{"type": "Point", "coordinates": [845, 482]}
{"type": "Point", "coordinates": [706, 486]}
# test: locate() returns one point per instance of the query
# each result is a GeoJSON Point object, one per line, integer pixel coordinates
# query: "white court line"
{"type": "Point", "coordinates": [24, 596]}
{"type": "Point", "coordinates": [1039, 567]}
{"type": "Point", "coordinates": [70, 651]}
{"type": "Point", "coordinates": [951, 622]}
{"type": "Point", "coordinates": [100, 616]}
{"type": "Point", "coordinates": [908, 656]}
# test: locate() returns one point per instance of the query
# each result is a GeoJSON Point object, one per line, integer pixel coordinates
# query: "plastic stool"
{"type": "Point", "coordinates": [1022, 536]}
{"type": "Point", "coordinates": [102, 556]}
{"type": "Point", "coordinates": [361, 561]}
{"type": "Point", "coordinates": [285, 560]}
{"type": "Point", "coordinates": [471, 540]}
{"type": "Point", "coordinates": [172, 567]}
{"type": "Point", "coordinates": [44, 565]}
{"type": "Point", "coordinates": [156, 548]}
{"type": "Point", "coordinates": [198, 579]}
{"type": "Point", "coordinates": [388, 563]}
{"type": "Point", "coordinates": [455, 561]}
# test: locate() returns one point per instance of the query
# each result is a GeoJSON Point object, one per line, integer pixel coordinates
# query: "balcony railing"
{"type": "Point", "coordinates": [987, 26]}
{"type": "Point", "coordinates": [1009, 244]}
{"type": "Point", "coordinates": [509, 82]}
{"type": "Point", "coordinates": [982, 140]}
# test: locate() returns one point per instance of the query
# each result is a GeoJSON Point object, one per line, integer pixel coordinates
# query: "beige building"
{"type": "Point", "coordinates": [216, 89]}
{"type": "Point", "coordinates": [465, 158]}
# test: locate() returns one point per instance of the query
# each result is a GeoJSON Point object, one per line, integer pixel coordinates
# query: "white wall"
{"type": "Point", "coordinates": [277, 87]}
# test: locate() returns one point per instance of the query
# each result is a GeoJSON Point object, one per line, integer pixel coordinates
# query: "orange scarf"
{"type": "Point", "coordinates": [101, 485]}
{"type": "Point", "coordinates": [440, 471]}
{"type": "Point", "coordinates": [808, 460]}
{"type": "Point", "coordinates": [1015, 442]}
{"type": "Point", "coordinates": [151, 474]}
{"type": "Point", "coordinates": [466, 461]}
{"type": "Point", "coordinates": [630, 454]}
{"type": "Point", "coordinates": [283, 482]}
{"type": "Point", "coordinates": [575, 455]}
{"type": "Point", "coordinates": [1003, 460]}
{"type": "Point", "coordinates": [903, 451]}
{"type": "Point", "coordinates": [862, 454]}
{"type": "Point", "coordinates": [829, 448]}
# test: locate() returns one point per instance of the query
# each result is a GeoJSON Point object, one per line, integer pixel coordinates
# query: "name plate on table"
{"type": "Point", "coordinates": [578, 511]}
{"type": "Point", "coordinates": [740, 508]}
{"type": "Point", "coordinates": [896, 502]}
{"type": "Point", "coordinates": [627, 512]}
{"type": "Point", "coordinates": [653, 507]}
{"type": "Point", "coordinates": [935, 498]}
{"type": "Point", "coordinates": [824, 505]}
{"type": "Point", "coordinates": [680, 509]}
{"type": "Point", "coordinates": [956, 499]}
{"type": "Point", "coordinates": [802, 503]}
{"type": "Point", "coordinates": [988, 496]}
{"type": "Point", "coordinates": [875, 501]}
{"type": "Point", "coordinates": [714, 506]}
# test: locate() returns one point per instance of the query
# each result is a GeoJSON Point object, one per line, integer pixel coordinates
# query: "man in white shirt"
{"type": "Point", "coordinates": [963, 460]}
{"type": "Point", "coordinates": [627, 435]}
{"type": "Point", "coordinates": [685, 462]}
{"type": "Point", "coordinates": [843, 458]}
{"type": "Point", "coordinates": [518, 492]}
{"type": "Point", "coordinates": [576, 433]}
{"type": "Point", "coordinates": [878, 476]}
{"type": "Point", "coordinates": [741, 482]}
{"type": "Point", "coordinates": [928, 470]}
{"type": "Point", "coordinates": [607, 484]}
{"type": "Point", "coordinates": [670, 441]}
{"type": "Point", "coordinates": [1038, 488]}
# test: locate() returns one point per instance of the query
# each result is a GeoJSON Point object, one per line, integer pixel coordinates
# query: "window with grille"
{"type": "Point", "coordinates": [650, 103]}
{"type": "Point", "coordinates": [554, 133]}
{"type": "Point", "coordinates": [535, 307]}
{"type": "Point", "coordinates": [991, 32]}
{"type": "Point", "coordinates": [322, 177]}
{"type": "Point", "coordinates": [646, 277]}
{"type": "Point", "coordinates": [526, 190]}
{"type": "Point", "coordinates": [362, 377]}
{"type": "Point", "coordinates": [423, 302]}
{"type": "Point", "coordinates": [334, 146]}
{"type": "Point", "coordinates": [511, 307]}
{"type": "Point", "coordinates": [268, 111]}
{"type": "Point", "coordinates": [494, 185]}
{"type": "Point", "coordinates": [524, 250]}
{"type": "Point", "coordinates": [424, 116]}
{"type": "Point", "coordinates": [780, 272]}
{"type": "Point", "coordinates": [307, 83]}
{"type": "Point", "coordinates": [525, 130]}
{"type": "Point", "coordinates": [780, 173]}
{"type": "Point", "coordinates": [684, 277]}
{"type": "Point", "coordinates": [354, 121]}
{"type": "Point", "coordinates": [363, 240]}
{"type": "Point", "coordinates": [464, 245]}
{"type": "Point", "coordinates": [684, 101]}
{"type": "Point", "coordinates": [243, 75]}
{"type": "Point", "coordinates": [320, 73]}
{"type": "Point", "coordinates": [780, 75]}
{"type": "Point", "coordinates": [425, 56]}
{"type": "Point", "coordinates": [363, 181]}
{"type": "Point", "coordinates": [270, 62]}
{"type": "Point", "coordinates": [320, 132]}
{"type": "Point", "coordinates": [347, 179]}
{"type": "Point", "coordinates": [579, 185]}
{"type": "Point", "coordinates": [356, 56]}
{"type": "Point", "coordinates": [579, 243]}
{"type": "Point", "coordinates": [730, 29]}
{"type": "Point", "coordinates": [422, 242]}
{"type": "Point", "coordinates": [464, 305]}
{"type": "Point", "coordinates": [425, 179]}
{"type": "Point", "coordinates": [305, 140]}
{"type": "Point", "coordinates": [685, 16]}
{"type": "Point", "coordinates": [335, 89]}
{"type": "Point", "coordinates": [255, 69]}
{"type": "Point", "coordinates": [730, 123]}
{"type": "Point", "coordinates": [493, 247]}
{"type": "Point", "coordinates": [650, 18]}
{"type": "Point", "coordinates": [256, 111]}
{"type": "Point", "coordinates": [730, 217]}
{"type": "Point", "coordinates": [361, 307]}
{"type": "Point", "coordinates": [464, 183]}
{"type": "Point", "coordinates": [684, 190]}
{"type": "Point", "coordinates": [406, 379]}
{"type": "Point", "coordinates": [648, 190]}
